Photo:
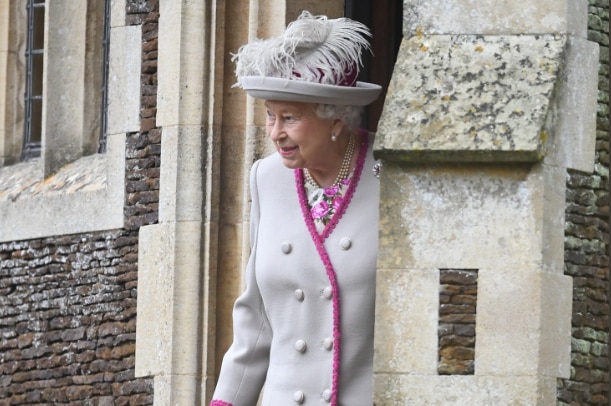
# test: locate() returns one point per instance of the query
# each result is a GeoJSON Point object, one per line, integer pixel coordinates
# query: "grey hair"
{"type": "Point", "coordinates": [350, 115]}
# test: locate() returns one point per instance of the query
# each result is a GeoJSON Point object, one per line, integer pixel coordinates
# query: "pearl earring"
{"type": "Point", "coordinates": [333, 137]}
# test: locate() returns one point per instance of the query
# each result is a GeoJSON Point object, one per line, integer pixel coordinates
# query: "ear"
{"type": "Point", "coordinates": [338, 126]}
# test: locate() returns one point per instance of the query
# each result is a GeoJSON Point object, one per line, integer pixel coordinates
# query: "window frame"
{"type": "Point", "coordinates": [37, 201]}
{"type": "Point", "coordinates": [74, 82]}
{"type": "Point", "coordinates": [32, 149]}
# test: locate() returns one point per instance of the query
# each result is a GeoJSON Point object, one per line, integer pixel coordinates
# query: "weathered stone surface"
{"type": "Point", "coordinates": [457, 390]}
{"type": "Point", "coordinates": [538, 304]}
{"type": "Point", "coordinates": [406, 326]}
{"type": "Point", "coordinates": [182, 178]}
{"type": "Point", "coordinates": [495, 17]}
{"type": "Point", "coordinates": [13, 41]}
{"type": "Point", "coordinates": [470, 98]}
{"type": "Point", "coordinates": [154, 323]}
{"type": "Point", "coordinates": [572, 144]}
{"type": "Point", "coordinates": [471, 217]}
{"type": "Point", "coordinates": [93, 186]}
{"type": "Point", "coordinates": [71, 90]}
{"type": "Point", "coordinates": [124, 80]}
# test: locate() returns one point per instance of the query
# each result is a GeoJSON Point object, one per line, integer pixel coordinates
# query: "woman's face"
{"type": "Point", "coordinates": [302, 139]}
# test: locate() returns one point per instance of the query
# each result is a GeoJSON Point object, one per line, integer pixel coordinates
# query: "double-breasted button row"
{"type": "Point", "coordinates": [302, 346]}
{"type": "Point", "coordinates": [326, 293]}
{"type": "Point", "coordinates": [299, 396]}
{"type": "Point", "coordinates": [345, 243]}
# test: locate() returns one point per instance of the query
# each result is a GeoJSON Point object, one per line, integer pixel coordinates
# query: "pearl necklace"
{"type": "Point", "coordinates": [344, 170]}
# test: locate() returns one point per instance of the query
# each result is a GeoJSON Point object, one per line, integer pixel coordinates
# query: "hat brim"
{"type": "Point", "coordinates": [271, 88]}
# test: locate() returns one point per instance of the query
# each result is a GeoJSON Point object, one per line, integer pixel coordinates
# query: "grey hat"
{"type": "Point", "coordinates": [316, 60]}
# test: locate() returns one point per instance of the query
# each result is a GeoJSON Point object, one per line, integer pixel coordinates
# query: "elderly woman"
{"type": "Point", "coordinates": [304, 325]}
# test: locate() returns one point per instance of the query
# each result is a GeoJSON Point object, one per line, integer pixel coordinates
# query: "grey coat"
{"type": "Point", "coordinates": [283, 321]}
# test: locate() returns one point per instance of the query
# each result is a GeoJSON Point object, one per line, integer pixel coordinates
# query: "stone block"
{"type": "Point", "coordinates": [181, 89]}
{"type": "Point", "coordinates": [496, 17]}
{"type": "Point", "coordinates": [523, 323]}
{"type": "Point", "coordinates": [177, 390]}
{"type": "Point", "coordinates": [468, 98]}
{"type": "Point", "coordinates": [155, 289]}
{"type": "Point", "coordinates": [5, 30]}
{"type": "Point", "coordinates": [230, 281]}
{"type": "Point", "coordinates": [63, 118]}
{"type": "Point", "coordinates": [575, 107]}
{"type": "Point", "coordinates": [117, 14]}
{"type": "Point", "coordinates": [163, 392]}
{"type": "Point", "coordinates": [181, 180]}
{"type": "Point", "coordinates": [124, 80]}
{"type": "Point", "coordinates": [407, 310]}
{"type": "Point", "coordinates": [169, 283]}
{"type": "Point", "coordinates": [471, 217]}
{"type": "Point", "coordinates": [455, 390]}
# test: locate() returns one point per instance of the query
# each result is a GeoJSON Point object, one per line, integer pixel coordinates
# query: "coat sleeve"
{"type": "Point", "coordinates": [245, 364]}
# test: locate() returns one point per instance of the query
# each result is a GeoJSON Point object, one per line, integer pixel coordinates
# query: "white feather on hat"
{"type": "Point", "coordinates": [318, 53]}
{"type": "Point", "coordinates": [312, 49]}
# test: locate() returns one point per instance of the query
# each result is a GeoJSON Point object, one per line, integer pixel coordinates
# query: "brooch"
{"type": "Point", "coordinates": [376, 169]}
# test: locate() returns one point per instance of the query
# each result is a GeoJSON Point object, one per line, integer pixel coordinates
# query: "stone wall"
{"type": "Point", "coordinates": [68, 303]}
{"type": "Point", "coordinates": [587, 248]}
{"type": "Point", "coordinates": [68, 319]}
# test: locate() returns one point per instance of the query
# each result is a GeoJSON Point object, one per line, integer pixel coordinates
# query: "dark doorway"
{"type": "Point", "coordinates": [385, 19]}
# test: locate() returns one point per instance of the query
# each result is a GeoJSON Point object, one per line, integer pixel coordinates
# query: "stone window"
{"type": "Point", "coordinates": [39, 197]}
{"type": "Point", "coordinates": [59, 69]}
{"type": "Point", "coordinates": [34, 54]}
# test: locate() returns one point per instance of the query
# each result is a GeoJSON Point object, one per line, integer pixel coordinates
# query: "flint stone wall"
{"type": "Point", "coordinates": [587, 247]}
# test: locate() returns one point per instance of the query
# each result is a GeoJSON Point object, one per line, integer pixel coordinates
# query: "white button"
{"type": "Point", "coordinates": [300, 345]}
{"type": "Point", "coordinates": [345, 243]}
{"type": "Point", "coordinates": [298, 397]}
{"type": "Point", "coordinates": [326, 395]}
{"type": "Point", "coordinates": [327, 292]}
{"type": "Point", "coordinates": [299, 294]}
{"type": "Point", "coordinates": [286, 247]}
{"type": "Point", "coordinates": [327, 343]}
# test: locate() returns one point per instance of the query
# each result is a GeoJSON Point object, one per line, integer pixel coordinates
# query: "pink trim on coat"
{"type": "Point", "coordinates": [324, 256]}
{"type": "Point", "coordinates": [216, 402]}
